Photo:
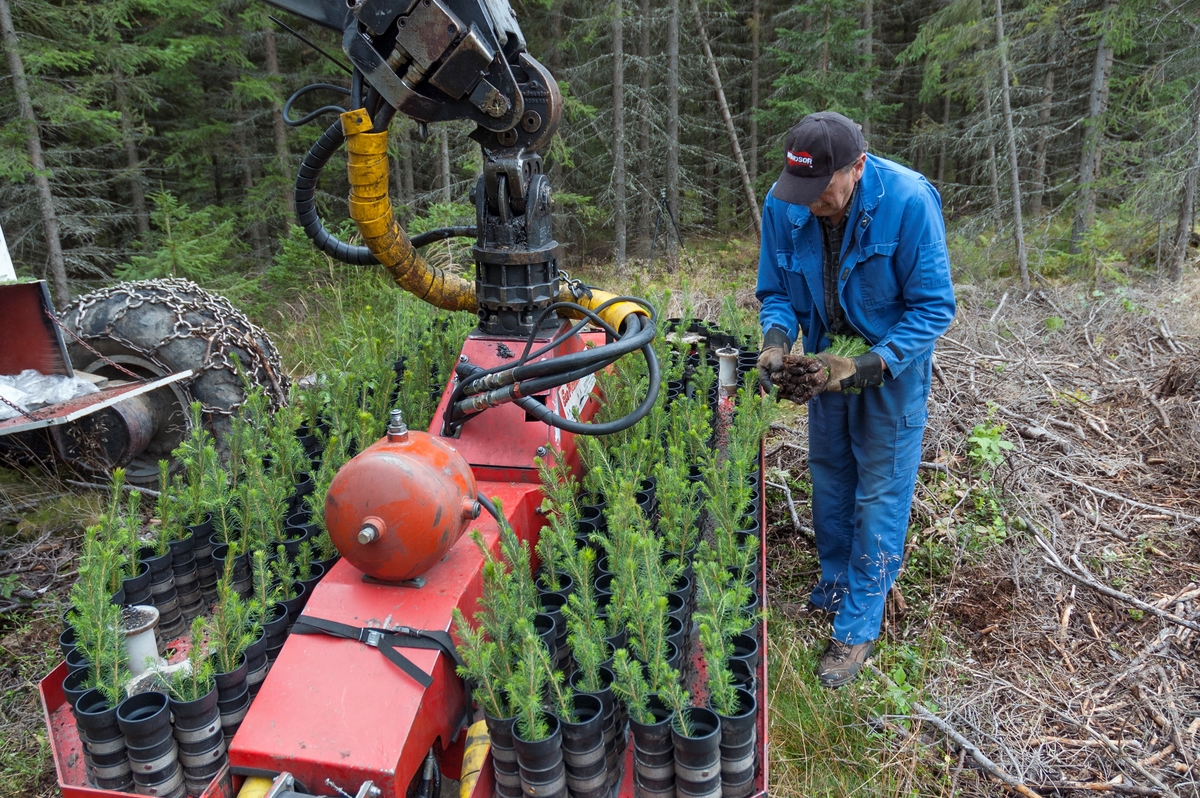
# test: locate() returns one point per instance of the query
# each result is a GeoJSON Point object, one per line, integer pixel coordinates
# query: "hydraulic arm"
{"type": "Point", "coordinates": [441, 60]}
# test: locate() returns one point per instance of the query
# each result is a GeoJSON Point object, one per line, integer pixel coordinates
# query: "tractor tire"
{"type": "Point", "coordinates": [158, 327]}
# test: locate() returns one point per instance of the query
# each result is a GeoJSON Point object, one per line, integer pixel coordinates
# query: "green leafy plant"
{"type": "Point", "coordinates": [629, 683]}
{"type": "Point", "coordinates": [527, 685]}
{"type": "Point", "coordinates": [196, 681]}
{"type": "Point", "coordinates": [481, 666]}
{"type": "Point", "coordinates": [988, 446]}
{"type": "Point", "coordinates": [284, 571]}
{"type": "Point", "coordinates": [229, 627]}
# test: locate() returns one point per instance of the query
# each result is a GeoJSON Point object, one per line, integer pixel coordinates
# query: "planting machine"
{"type": "Point", "coordinates": [367, 702]}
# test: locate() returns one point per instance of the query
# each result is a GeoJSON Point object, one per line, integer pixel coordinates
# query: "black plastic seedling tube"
{"type": "Point", "coordinates": [547, 630]}
{"type": "Point", "coordinates": [654, 750]}
{"type": "Point", "coordinates": [96, 717]}
{"type": "Point", "coordinates": [541, 762]}
{"type": "Point", "coordinates": [159, 564]}
{"type": "Point", "coordinates": [583, 743]}
{"type": "Point", "coordinates": [75, 685]}
{"type": "Point", "coordinates": [745, 648]}
{"type": "Point", "coordinates": [295, 604]}
{"type": "Point", "coordinates": [190, 715]}
{"type": "Point", "coordinates": [77, 661]}
{"type": "Point", "coordinates": [230, 683]}
{"type": "Point", "coordinates": [138, 584]}
{"type": "Point", "coordinates": [145, 719]}
{"type": "Point", "coordinates": [698, 757]}
{"type": "Point", "coordinates": [504, 756]}
{"type": "Point", "coordinates": [739, 729]}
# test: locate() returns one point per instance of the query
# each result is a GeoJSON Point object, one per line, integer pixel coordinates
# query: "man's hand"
{"type": "Point", "coordinates": [770, 359]}
{"type": "Point", "coordinates": [863, 371]}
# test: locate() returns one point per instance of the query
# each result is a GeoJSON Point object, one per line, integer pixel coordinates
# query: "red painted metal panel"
{"type": "Point", "coordinates": [67, 750]}
{"type": "Point", "coordinates": [500, 443]}
{"type": "Point", "coordinates": [337, 709]}
{"type": "Point", "coordinates": [31, 340]}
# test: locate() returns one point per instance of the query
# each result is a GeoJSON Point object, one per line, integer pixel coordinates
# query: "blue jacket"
{"type": "Point", "coordinates": [894, 281]}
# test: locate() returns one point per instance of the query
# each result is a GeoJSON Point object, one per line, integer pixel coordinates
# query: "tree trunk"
{"type": "Point", "coordinates": [33, 144]}
{"type": "Point", "coordinates": [444, 162]}
{"type": "Point", "coordinates": [755, 54]}
{"type": "Point", "coordinates": [282, 154]}
{"type": "Point", "coordinates": [1039, 180]}
{"type": "Point", "coordinates": [618, 123]}
{"type": "Point", "coordinates": [1089, 159]}
{"type": "Point", "coordinates": [555, 62]}
{"type": "Point", "coordinates": [647, 200]}
{"type": "Point", "coordinates": [993, 173]}
{"type": "Point", "coordinates": [1010, 135]}
{"type": "Point", "coordinates": [673, 108]}
{"type": "Point", "coordinates": [407, 188]}
{"type": "Point", "coordinates": [730, 130]}
{"type": "Point", "coordinates": [254, 227]}
{"type": "Point", "coordinates": [941, 159]}
{"type": "Point", "coordinates": [1187, 198]}
{"type": "Point", "coordinates": [869, 52]}
{"type": "Point", "coordinates": [137, 193]}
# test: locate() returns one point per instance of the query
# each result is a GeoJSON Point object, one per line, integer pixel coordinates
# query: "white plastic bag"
{"type": "Point", "coordinates": [31, 389]}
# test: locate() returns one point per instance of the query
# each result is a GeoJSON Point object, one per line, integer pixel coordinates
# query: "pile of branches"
{"type": "Point", "coordinates": [1083, 622]}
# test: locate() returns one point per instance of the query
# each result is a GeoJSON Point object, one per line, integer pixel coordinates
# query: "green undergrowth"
{"type": "Point", "coordinates": [822, 741]}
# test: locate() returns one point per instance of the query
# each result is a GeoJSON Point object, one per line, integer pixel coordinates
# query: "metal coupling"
{"type": "Point", "coordinates": [397, 430]}
{"type": "Point", "coordinates": [372, 528]}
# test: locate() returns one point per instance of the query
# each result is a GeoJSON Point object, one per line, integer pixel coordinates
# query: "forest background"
{"type": "Point", "coordinates": [142, 138]}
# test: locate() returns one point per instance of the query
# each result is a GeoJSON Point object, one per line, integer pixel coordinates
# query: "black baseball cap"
{"type": "Point", "coordinates": [820, 145]}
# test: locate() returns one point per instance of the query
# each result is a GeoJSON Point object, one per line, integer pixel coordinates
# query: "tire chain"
{"type": "Point", "coordinates": [232, 330]}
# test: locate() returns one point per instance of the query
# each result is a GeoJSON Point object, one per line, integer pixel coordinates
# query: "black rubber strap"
{"type": "Point", "coordinates": [868, 372]}
{"type": "Point", "coordinates": [387, 641]}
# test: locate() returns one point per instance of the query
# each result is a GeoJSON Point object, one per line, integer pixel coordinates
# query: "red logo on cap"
{"type": "Point", "coordinates": [801, 158]}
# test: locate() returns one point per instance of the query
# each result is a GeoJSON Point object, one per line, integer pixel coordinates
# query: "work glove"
{"type": "Point", "coordinates": [863, 371]}
{"type": "Point", "coordinates": [775, 345]}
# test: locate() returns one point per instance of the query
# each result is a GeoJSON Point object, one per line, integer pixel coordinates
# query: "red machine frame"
{"type": "Point", "coordinates": [334, 709]}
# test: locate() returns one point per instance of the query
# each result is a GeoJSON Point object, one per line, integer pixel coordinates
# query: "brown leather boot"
{"type": "Point", "coordinates": [840, 663]}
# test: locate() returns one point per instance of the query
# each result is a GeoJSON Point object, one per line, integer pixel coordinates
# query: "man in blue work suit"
{"type": "Point", "coordinates": [853, 244]}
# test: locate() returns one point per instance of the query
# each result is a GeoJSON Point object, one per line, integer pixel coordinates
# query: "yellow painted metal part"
{"type": "Point", "coordinates": [614, 315]}
{"type": "Point", "coordinates": [254, 787]}
{"type": "Point", "coordinates": [371, 209]}
{"type": "Point", "coordinates": [474, 754]}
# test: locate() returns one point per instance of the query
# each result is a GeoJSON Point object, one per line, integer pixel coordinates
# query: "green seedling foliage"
{"type": "Point", "coordinates": [629, 683]}
{"type": "Point", "coordinates": [198, 456]}
{"type": "Point", "coordinates": [194, 683]}
{"type": "Point", "coordinates": [556, 543]}
{"type": "Point", "coordinates": [848, 346]}
{"type": "Point", "coordinates": [284, 571]}
{"type": "Point", "coordinates": [265, 590]}
{"type": "Point", "coordinates": [481, 667]}
{"type": "Point", "coordinates": [97, 622]}
{"type": "Point", "coordinates": [229, 627]}
{"type": "Point", "coordinates": [722, 693]}
{"type": "Point", "coordinates": [585, 629]}
{"type": "Point", "coordinates": [527, 685]}
{"type": "Point", "coordinates": [674, 696]}
{"type": "Point", "coordinates": [304, 558]}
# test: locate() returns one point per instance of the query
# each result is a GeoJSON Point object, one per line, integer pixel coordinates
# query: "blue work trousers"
{"type": "Point", "coordinates": [863, 453]}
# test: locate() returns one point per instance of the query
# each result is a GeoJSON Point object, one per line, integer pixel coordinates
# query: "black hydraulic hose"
{"type": "Point", "coordinates": [633, 339]}
{"type": "Point", "coordinates": [311, 115]}
{"type": "Point", "coordinates": [442, 233]}
{"type": "Point", "coordinates": [486, 503]}
{"type": "Point", "coordinates": [306, 200]}
{"type": "Point", "coordinates": [545, 414]}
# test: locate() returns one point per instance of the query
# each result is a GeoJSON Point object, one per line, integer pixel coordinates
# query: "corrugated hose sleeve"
{"type": "Point", "coordinates": [614, 315]}
{"type": "Point", "coordinates": [371, 209]}
{"type": "Point", "coordinates": [475, 753]}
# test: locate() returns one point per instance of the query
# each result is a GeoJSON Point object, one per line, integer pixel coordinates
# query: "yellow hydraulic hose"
{"type": "Point", "coordinates": [255, 787]}
{"type": "Point", "coordinates": [371, 209]}
{"type": "Point", "coordinates": [474, 754]}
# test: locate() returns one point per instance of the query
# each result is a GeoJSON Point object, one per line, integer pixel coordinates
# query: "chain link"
{"type": "Point", "coordinates": [198, 315]}
{"type": "Point", "coordinates": [18, 408]}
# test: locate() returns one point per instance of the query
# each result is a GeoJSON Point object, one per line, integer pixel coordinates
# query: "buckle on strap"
{"type": "Point", "coordinates": [372, 637]}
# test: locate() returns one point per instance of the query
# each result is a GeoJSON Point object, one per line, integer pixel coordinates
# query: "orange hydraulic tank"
{"type": "Point", "coordinates": [395, 509]}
